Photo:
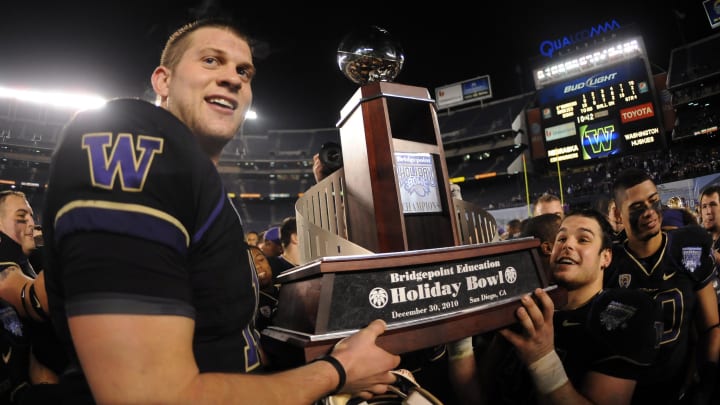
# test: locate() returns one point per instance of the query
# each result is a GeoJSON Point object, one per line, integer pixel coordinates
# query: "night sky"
{"type": "Point", "coordinates": [110, 48]}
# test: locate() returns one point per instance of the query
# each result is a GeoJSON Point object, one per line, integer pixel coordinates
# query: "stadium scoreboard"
{"type": "Point", "coordinates": [600, 113]}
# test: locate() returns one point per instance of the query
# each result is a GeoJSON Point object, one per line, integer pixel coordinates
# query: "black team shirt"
{"type": "Point", "coordinates": [672, 276]}
{"type": "Point", "coordinates": [137, 222]}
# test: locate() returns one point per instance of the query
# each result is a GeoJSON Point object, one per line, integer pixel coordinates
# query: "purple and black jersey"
{"type": "Point", "coordinates": [672, 276]}
{"type": "Point", "coordinates": [137, 222]}
{"type": "Point", "coordinates": [615, 333]}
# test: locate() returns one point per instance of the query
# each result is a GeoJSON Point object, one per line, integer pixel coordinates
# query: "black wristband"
{"type": "Point", "coordinates": [338, 367]}
{"type": "Point", "coordinates": [35, 303]}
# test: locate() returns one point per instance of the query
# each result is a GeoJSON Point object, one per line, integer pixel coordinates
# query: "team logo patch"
{"type": "Point", "coordinates": [624, 280]}
{"type": "Point", "coordinates": [691, 258]}
{"type": "Point", "coordinates": [615, 315]}
{"type": "Point", "coordinates": [10, 321]}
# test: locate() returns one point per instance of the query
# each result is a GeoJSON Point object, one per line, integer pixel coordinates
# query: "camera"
{"type": "Point", "coordinates": [331, 157]}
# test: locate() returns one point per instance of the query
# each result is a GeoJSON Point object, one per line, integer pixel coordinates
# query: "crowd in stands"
{"type": "Point", "coordinates": [582, 185]}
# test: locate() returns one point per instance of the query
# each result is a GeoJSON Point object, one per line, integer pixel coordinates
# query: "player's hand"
{"type": "Point", "coordinates": [318, 168]}
{"type": "Point", "coordinates": [536, 336]}
{"type": "Point", "coordinates": [367, 365]}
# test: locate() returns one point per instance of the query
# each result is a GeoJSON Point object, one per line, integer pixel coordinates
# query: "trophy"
{"type": "Point", "coordinates": [370, 55]}
{"type": "Point", "coordinates": [382, 236]}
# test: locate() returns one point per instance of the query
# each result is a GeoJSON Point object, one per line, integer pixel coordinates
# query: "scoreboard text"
{"type": "Point", "coordinates": [599, 114]}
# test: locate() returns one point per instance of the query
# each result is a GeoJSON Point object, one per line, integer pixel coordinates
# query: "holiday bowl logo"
{"type": "Point", "coordinates": [378, 297]}
{"type": "Point", "coordinates": [511, 274]}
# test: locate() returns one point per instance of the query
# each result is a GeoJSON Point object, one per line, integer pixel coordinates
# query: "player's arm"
{"type": "Point", "coordinates": [25, 294]}
{"type": "Point", "coordinates": [140, 359]}
{"type": "Point", "coordinates": [597, 389]}
{"type": "Point", "coordinates": [463, 371]}
{"type": "Point", "coordinates": [318, 168]}
{"type": "Point", "coordinates": [535, 346]}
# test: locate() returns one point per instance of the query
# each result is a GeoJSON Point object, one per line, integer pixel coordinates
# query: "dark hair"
{"type": "Point", "coordinates": [710, 190]}
{"type": "Point", "coordinates": [602, 204]}
{"type": "Point", "coordinates": [628, 178]}
{"type": "Point", "coordinates": [544, 227]}
{"type": "Point", "coordinates": [178, 41]}
{"type": "Point", "coordinates": [688, 217]}
{"type": "Point", "coordinates": [288, 227]}
{"type": "Point", "coordinates": [607, 231]}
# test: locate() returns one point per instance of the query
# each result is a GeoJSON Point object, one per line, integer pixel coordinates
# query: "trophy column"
{"type": "Point", "coordinates": [397, 189]}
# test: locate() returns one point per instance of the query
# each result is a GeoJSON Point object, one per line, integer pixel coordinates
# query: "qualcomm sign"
{"type": "Point", "coordinates": [549, 47]}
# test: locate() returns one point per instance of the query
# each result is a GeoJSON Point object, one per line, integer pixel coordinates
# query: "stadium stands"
{"type": "Point", "coordinates": [484, 147]}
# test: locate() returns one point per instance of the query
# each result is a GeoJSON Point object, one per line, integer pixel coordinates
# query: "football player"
{"type": "Point", "coordinates": [145, 279]}
{"type": "Point", "coordinates": [675, 268]}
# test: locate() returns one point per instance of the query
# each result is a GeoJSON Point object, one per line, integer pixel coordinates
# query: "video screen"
{"type": "Point", "coordinates": [602, 113]}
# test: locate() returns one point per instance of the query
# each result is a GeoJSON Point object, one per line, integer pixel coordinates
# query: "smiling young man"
{"type": "Point", "coordinates": [145, 280]}
{"type": "Point", "coordinates": [592, 350]}
{"type": "Point", "coordinates": [710, 220]}
{"type": "Point", "coordinates": [28, 348]}
{"type": "Point", "coordinates": [20, 283]}
{"type": "Point", "coordinates": [675, 268]}
{"type": "Point", "coordinates": [595, 348]}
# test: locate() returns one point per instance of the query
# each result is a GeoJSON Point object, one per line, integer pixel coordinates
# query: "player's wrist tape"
{"type": "Point", "coordinates": [460, 349]}
{"type": "Point", "coordinates": [548, 373]}
{"type": "Point", "coordinates": [338, 367]}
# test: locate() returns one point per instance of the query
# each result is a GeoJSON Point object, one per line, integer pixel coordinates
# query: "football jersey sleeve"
{"type": "Point", "coordinates": [691, 250]}
{"type": "Point", "coordinates": [123, 202]}
{"type": "Point", "coordinates": [626, 326]}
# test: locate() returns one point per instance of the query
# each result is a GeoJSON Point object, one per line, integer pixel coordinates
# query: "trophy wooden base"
{"type": "Point", "coordinates": [287, 348]}
{"type": "Point", "coordinates": [426, 297]}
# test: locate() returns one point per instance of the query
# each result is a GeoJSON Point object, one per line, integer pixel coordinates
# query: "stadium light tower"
{"type": "Point", "coordinates": [54, 98]}
{"type": "Point", "coordinates": [74, 101]}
